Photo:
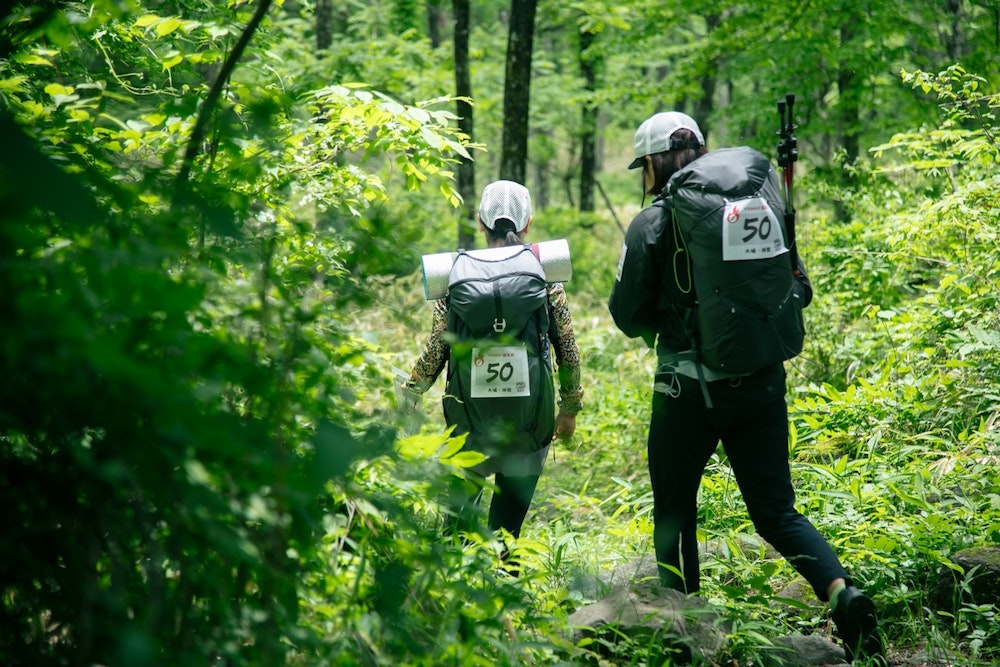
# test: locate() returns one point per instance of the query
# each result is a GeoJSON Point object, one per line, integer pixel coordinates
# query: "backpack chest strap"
{"type": "Point", "coordinates": [499, 322]}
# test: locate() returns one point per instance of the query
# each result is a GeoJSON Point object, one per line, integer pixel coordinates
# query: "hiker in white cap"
{"type": "Point", "coordinates": [693, 410]}
{"type": "Point", "coordinates": [514, 426]}
{"type": "Point", "coordinates": [664, 143]}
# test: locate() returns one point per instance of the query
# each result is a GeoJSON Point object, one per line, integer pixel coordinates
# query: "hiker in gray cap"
{"type": "Point", "coordinates": [504, 322]}
{"type": "Point", "coordinates": [696, 403]}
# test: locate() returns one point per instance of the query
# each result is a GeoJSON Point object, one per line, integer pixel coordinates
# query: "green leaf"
{"type": "Point", "coordinates": [154, 119]}
{"type": "Point", "coordinates": [171, 59]}
{"type": "Point", "coordinates": [167, 26]}
{"type": "Point", "coordinates": [418, 115]}
{"type": "Point", "coordinates": [58, 90]}
{"type": "Point", "coordinates": [14, 84]}
{"type": "Point", "coordinates": [420, 446]}
{"type": "Point", "coordinates": [33, 59]}
{"type": "Point", "coordinates": [465, 459]}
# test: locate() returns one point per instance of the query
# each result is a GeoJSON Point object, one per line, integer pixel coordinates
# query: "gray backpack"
{"type": "Point", "coordinates": [499, 388]}
{"type": "Point", "coordinates": [728, 217]}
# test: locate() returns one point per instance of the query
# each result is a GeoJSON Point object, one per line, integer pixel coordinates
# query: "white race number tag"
{"type": "Point", "coordinates": [500, 372]}
{"type": "Point", "coordinates": [750, 231]}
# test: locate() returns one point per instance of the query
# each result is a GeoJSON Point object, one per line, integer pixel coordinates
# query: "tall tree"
{"type": "Point", "coordinates": [324, 24]}
{"type": "Point", "coordinates": [952, 35]}
{"type": "Point", "coordinates": [517, 91]}
{"type": "Point", "coordinates": [849, 101]}
{"type": "Point", "coordinates": [588, 119]}
{"type": "Point", "coordinates": [704, 103]}
{"type": "Point", "coordinates": [463, 90]}
{"type": "Point", "coordinates": [435, 19]}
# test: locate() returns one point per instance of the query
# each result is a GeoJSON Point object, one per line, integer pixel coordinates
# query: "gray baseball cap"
{"type": "Point", "coordinates": [505, 199]}
{"type": "Point", "coordinates": [653, 136]}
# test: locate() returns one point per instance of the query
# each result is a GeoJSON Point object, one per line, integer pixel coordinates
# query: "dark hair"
{"type": "Point", "coordinates": [503, 230]}
{"type": "Point", "coordinates": [685, 149]}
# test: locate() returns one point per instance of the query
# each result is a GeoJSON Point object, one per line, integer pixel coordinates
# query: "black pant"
{"type": "Point", "coordinates": [683, 435]}
{"type": "Point", "coordinates": [508, 508]}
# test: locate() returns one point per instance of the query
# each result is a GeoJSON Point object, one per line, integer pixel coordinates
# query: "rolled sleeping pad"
{"type": "Point", "coordinates": [553, 256]}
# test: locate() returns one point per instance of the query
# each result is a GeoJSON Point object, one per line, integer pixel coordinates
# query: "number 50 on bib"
{"type": "Point", "coordinates": [500, 372]}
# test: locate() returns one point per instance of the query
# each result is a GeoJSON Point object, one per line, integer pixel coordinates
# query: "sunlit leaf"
{"type": "Point", "coordinates": [167, 26]}
{"type": "Point", "coordinates": [32, 59]}
{"type": "Point", "coordinates": [58, 90]}
{"type": "Point", "coordinates": [171, 59]}
{"type": "Point", "coordinates": [146, 20]}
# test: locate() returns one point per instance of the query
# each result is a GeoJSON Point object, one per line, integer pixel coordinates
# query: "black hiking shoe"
{"type": "Point", "coordinates": [857, 626]}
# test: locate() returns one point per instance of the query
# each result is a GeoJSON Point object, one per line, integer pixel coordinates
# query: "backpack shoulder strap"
{"type": "Point", "coordinates": [677, 256]}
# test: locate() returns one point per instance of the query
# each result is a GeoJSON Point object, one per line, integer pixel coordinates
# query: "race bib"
{"type": "Point", "coordinates": [500, 372]}
{"type": "Point", "coordinates": [750, 230]}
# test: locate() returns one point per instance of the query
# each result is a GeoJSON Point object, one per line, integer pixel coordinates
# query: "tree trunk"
{"type": "Point", "coordinates": [588, 121]}
{"type": "Point", "coordinates": [705, 105]}
{"type": "Point", "coordinates": [517, 91]}
{"type": "Point", "coordinates": [848, 84]}
{"type": "Point", "coordinates": [435, 19]}
{"type": "Point", "coordinates": [463, 88]}
{"type": "Point", "coordinates": [324, 24]}
{"type": "Point", "coordinates": [540, 190]}
{"type": "Point", "coordinates": [996, 29]}
{"type": "Point", "coordinates": [954, 40]}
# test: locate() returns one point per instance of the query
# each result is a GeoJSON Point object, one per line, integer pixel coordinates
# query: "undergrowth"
{"type": "Point", "coordinates": [894, 407]}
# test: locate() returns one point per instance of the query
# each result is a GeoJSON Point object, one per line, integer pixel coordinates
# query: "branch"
{"type": "Point", "coordinates": [611, 208]}
{"type": "Point", "coordinates": [200, 127]}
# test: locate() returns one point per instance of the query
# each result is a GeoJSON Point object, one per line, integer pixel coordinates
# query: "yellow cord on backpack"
{"type": "Point", "coordinates": [680, 249]}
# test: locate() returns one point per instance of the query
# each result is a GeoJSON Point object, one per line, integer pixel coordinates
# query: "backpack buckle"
{"type": "Point", "coordinates": [499, 326]}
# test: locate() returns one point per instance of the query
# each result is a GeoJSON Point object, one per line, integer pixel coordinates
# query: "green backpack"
{"type": "Point", "coordinates": [499, 388]}
{"type": "Point", "coordinates": [745, 307]}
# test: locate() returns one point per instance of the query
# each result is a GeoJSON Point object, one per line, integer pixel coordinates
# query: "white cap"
{"type": "Point", "coordinates": [508, 200]}
{"type": "Point", "coordinates": [653, 136]}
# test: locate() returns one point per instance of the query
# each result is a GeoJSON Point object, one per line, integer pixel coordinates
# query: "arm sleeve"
{"type": "Point", "coordinates": [633, 303]}
{"type": "Point", "coordinates": [435, 353]}
{"type": "Point", "coordinates": [566, 350]}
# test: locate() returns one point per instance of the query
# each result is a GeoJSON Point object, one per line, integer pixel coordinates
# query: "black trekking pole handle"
{"type": "Point", "coordinates": [788, 154]}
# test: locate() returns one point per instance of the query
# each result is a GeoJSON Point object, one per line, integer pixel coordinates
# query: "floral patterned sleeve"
{"type": "Point", "coordinates": [435, 353]}
{"type": "Point", "coordinates": [567, 353]}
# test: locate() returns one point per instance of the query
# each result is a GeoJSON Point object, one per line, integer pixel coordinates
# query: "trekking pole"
{"type": "Point", "coordinates": [788, 153]}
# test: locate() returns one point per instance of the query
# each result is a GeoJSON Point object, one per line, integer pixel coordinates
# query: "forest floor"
{"type": "Point", "coordinates": [917, 656]}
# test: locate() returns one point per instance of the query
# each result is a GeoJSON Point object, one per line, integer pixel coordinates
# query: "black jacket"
{"type": "Point", "coordinates": [640, 300]}
{"type": "Point", "coordinates": [645, 295]}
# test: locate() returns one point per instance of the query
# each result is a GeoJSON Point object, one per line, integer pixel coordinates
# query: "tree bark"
{"type": "Point", "coordinates": [588, 120]}
{"type": "Point", "coordinates": [517, 91]}
{"type": "Point", "coordinates": [954, 39]}
{"type": "Point", "coordinates": [705, 105]}
{"type": "Point", "coordinates": [466, 176]}
{"type": "Point", "coordinates": [435, 19]}
{"type": "Point", "coordinates": [324, 24]}
{"type": "Point", "coordinates": [849, 106]}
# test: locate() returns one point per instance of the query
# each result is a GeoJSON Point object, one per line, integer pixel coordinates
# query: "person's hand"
{"type": "Point", "coordinates": [407, 396]}
{"type": "Point", "coordinates": [565, 426]}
